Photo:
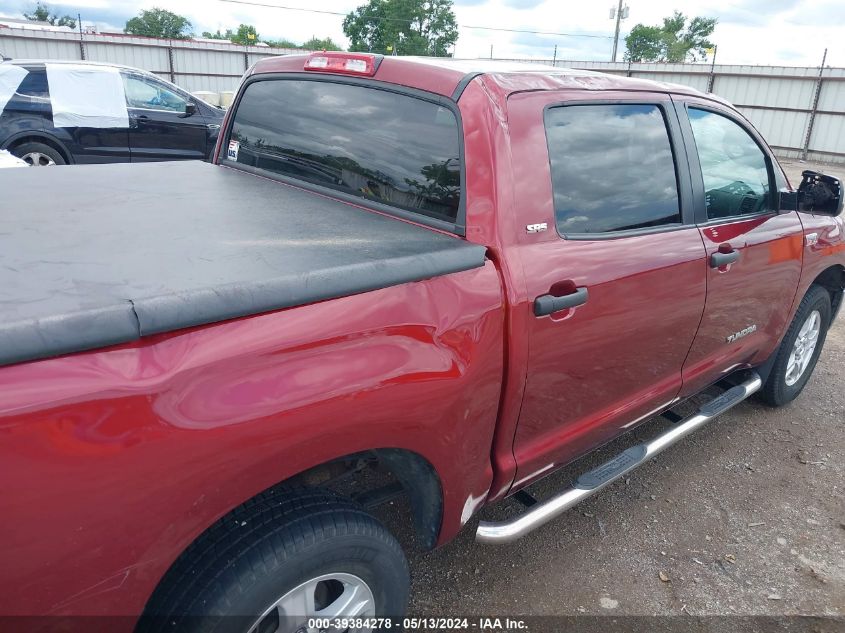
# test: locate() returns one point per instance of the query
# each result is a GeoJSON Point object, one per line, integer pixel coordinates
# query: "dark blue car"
{"type": "Point", "coordinates": [56, 113]}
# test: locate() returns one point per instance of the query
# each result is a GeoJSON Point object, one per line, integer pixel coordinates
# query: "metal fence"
{"type": "Point", "coordinates": [195, 66]}
{"type": "Point", "coordinates": [800, 110]}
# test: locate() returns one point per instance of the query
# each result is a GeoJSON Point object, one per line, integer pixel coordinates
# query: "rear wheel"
{"type": "Point", "coordinates": [282, 559]}
{"type": "Point", "coordinates": [38, 155]}
{"type": "Point", "coordinates": [800, 349]}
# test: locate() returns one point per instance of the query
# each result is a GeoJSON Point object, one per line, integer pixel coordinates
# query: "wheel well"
{"type": "Point", "coordinates": [45, 140]}
{"type": "Point", "coordinates": [380, 475]}
{"type": "Point", "coordinates": [347, 475]}
{"type": "Point", "coordinates": [833, 280]}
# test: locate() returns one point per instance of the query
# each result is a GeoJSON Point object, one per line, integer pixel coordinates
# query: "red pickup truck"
{"type": "Point", "coordinates": [462, 274]}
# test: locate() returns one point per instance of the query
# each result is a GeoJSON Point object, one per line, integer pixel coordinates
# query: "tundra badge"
{"type": "Point", "coordinates": [742, 332]}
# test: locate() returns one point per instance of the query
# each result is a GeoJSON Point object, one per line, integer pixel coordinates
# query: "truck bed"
{"type": "Point", "coordinates": [105, 254]}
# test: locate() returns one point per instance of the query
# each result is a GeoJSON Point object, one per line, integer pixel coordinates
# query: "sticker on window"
{"type": "Point", "coordinates": [232, 154]}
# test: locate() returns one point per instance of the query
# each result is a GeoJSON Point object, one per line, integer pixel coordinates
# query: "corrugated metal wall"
{"type": "Point", "coordinates": [193, 65]}
{"type": "Point", "coordinates": [778, 100]}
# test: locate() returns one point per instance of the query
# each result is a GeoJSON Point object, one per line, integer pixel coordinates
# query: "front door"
{"type": "Point", "coordinates": [158, 126]}
{"type": "Point", "coordinates": [754, 254]}
{"type": "Point", "coordinates": [616, 281]}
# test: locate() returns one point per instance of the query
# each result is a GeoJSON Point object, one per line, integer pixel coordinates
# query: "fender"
{"type": "Point", "coordinates": [41, 135]}
{"type": "Point", "coordinates": [165, 435]}
{"type": "Point", "coordinates": [824, 253]}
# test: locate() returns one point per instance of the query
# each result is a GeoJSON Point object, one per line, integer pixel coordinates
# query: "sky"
{"type": "Point", "coordinates": [774, 32]}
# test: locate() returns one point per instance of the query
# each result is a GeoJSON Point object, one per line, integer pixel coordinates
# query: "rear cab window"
{"type": "Point", "coordinates": [612, 168]}
{"type": "Point", "coordinates": [387, 147]}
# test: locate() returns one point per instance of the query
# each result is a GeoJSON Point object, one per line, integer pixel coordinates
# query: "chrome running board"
{"type": "Point", "coordinates": [591, 482]}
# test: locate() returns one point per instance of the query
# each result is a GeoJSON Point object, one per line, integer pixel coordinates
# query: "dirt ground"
{"type": "Point", "coordinates": [793, 169]}
{"type": "Point", "coordinates": [745, 517]}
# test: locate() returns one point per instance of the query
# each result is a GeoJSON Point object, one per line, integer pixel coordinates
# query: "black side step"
{"type": "Point", "coordinates": [672, 416]}
{"type": "Point", "coordinates": [525, 498]}
{"type": "Point", "coordinates": [723, 402]}
{"type": "Point", "coordinates": [619, 465]}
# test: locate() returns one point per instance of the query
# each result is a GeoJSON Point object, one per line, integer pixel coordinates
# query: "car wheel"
{"type": "Point", "coordinates": [278, 561]}
{"type": "Point", "coordinates": [800, 349]}
{"type": "Point", "coordinates": [38, 155]}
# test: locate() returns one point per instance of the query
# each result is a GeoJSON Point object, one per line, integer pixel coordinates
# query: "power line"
{"type": "Point", "coordinates": [255, 3]}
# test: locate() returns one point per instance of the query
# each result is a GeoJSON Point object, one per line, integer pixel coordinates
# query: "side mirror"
{"type": "Point", "coordinates": [820, 194]}
{"type": "Point", "coordinates": [190, 110]}
{"type": "Point", "coordinates": [787, 201]}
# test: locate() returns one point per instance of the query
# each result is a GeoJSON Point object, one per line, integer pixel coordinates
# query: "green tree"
{"type": "Point", "coordinates": [643, 44]}
{"type": "Point", "coordinates": [674, 41]}
{"type": "Point", "coordinates": [283, 43]}
{"type": "Point", "coordinates": [42, 14]}
{"type": "Point", "coordinates": [325, 44]}
{"type": "Point", "coordinates": [246, 35]}
{"type": "Point", "coordinates": [159, 23]}
{"type": "Point", "coordinates": [404, 27]}
{"type": "Point", "coordinates": [227, 36]}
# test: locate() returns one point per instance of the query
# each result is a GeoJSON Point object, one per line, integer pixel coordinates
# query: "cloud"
{"type": "Point", "coordinates": [743, 17]}
{"type": "Point", "coordinates": [748, 32]}
{"type": "Point", "coordinates": [824, 14]}
{"type": "Point", "coordinates": [789, 55]}
{"type": "Point", "coordinates": [769, 6]}
{"type": "Point", "coordinates": [205, 15]}
{"type": "Point", "coordinates": [568, 48]}
{"type": "Point", "coordinates": [523, 4]}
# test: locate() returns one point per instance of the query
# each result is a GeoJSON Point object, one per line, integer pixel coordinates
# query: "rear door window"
{"type": "Point", "coordinates": [31, 95]}
{"type": "Point", "coordinates": [612, 168]}
{"type": "Point", "coordinates": [34, 85]}
{"type": "Point", "coordinates": [384, 146]}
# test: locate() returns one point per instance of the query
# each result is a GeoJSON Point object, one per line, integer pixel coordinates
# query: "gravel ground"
{"type": "Point", "coordinates": [793, 169]}
{"type": "Point", "coordinates": [745, 517]}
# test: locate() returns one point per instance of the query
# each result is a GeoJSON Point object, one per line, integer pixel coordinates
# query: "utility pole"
{"type": "Point", "coordinates": [620, 14]}
{"type": "Point", "coordinates": [815, 108]}
{"type": "Point", "coordinates": [616, 35]}
{"type": "Point", "coordinates": [81, 39]}
{"type": "Point", "coordinates": [712, 77]}
{"type": "Point", "coordinates": [554, 59]}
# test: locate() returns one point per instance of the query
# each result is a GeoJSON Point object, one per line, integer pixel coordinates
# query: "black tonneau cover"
{"type": "Point", "coordinates": [101, 254]}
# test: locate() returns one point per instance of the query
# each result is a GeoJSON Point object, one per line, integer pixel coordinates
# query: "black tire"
{"type": "Point", "coordinates": [28, 149]}
{"type": "Point", "coordinates": [776, 392]}
{"type": "Point", "coordinates": [249, 559]}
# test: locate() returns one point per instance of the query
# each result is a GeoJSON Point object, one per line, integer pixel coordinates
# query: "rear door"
{"type": "Point", "coordinates": [621, 250]}
{"type": "Point", "coordinates": [29, 106]}
{"type": "Point", "coordinates": [158, 127]}
{"type": "Point", "coordinates": [88, 144]}
{"type": "Point", "coordinates": [753, 254]}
